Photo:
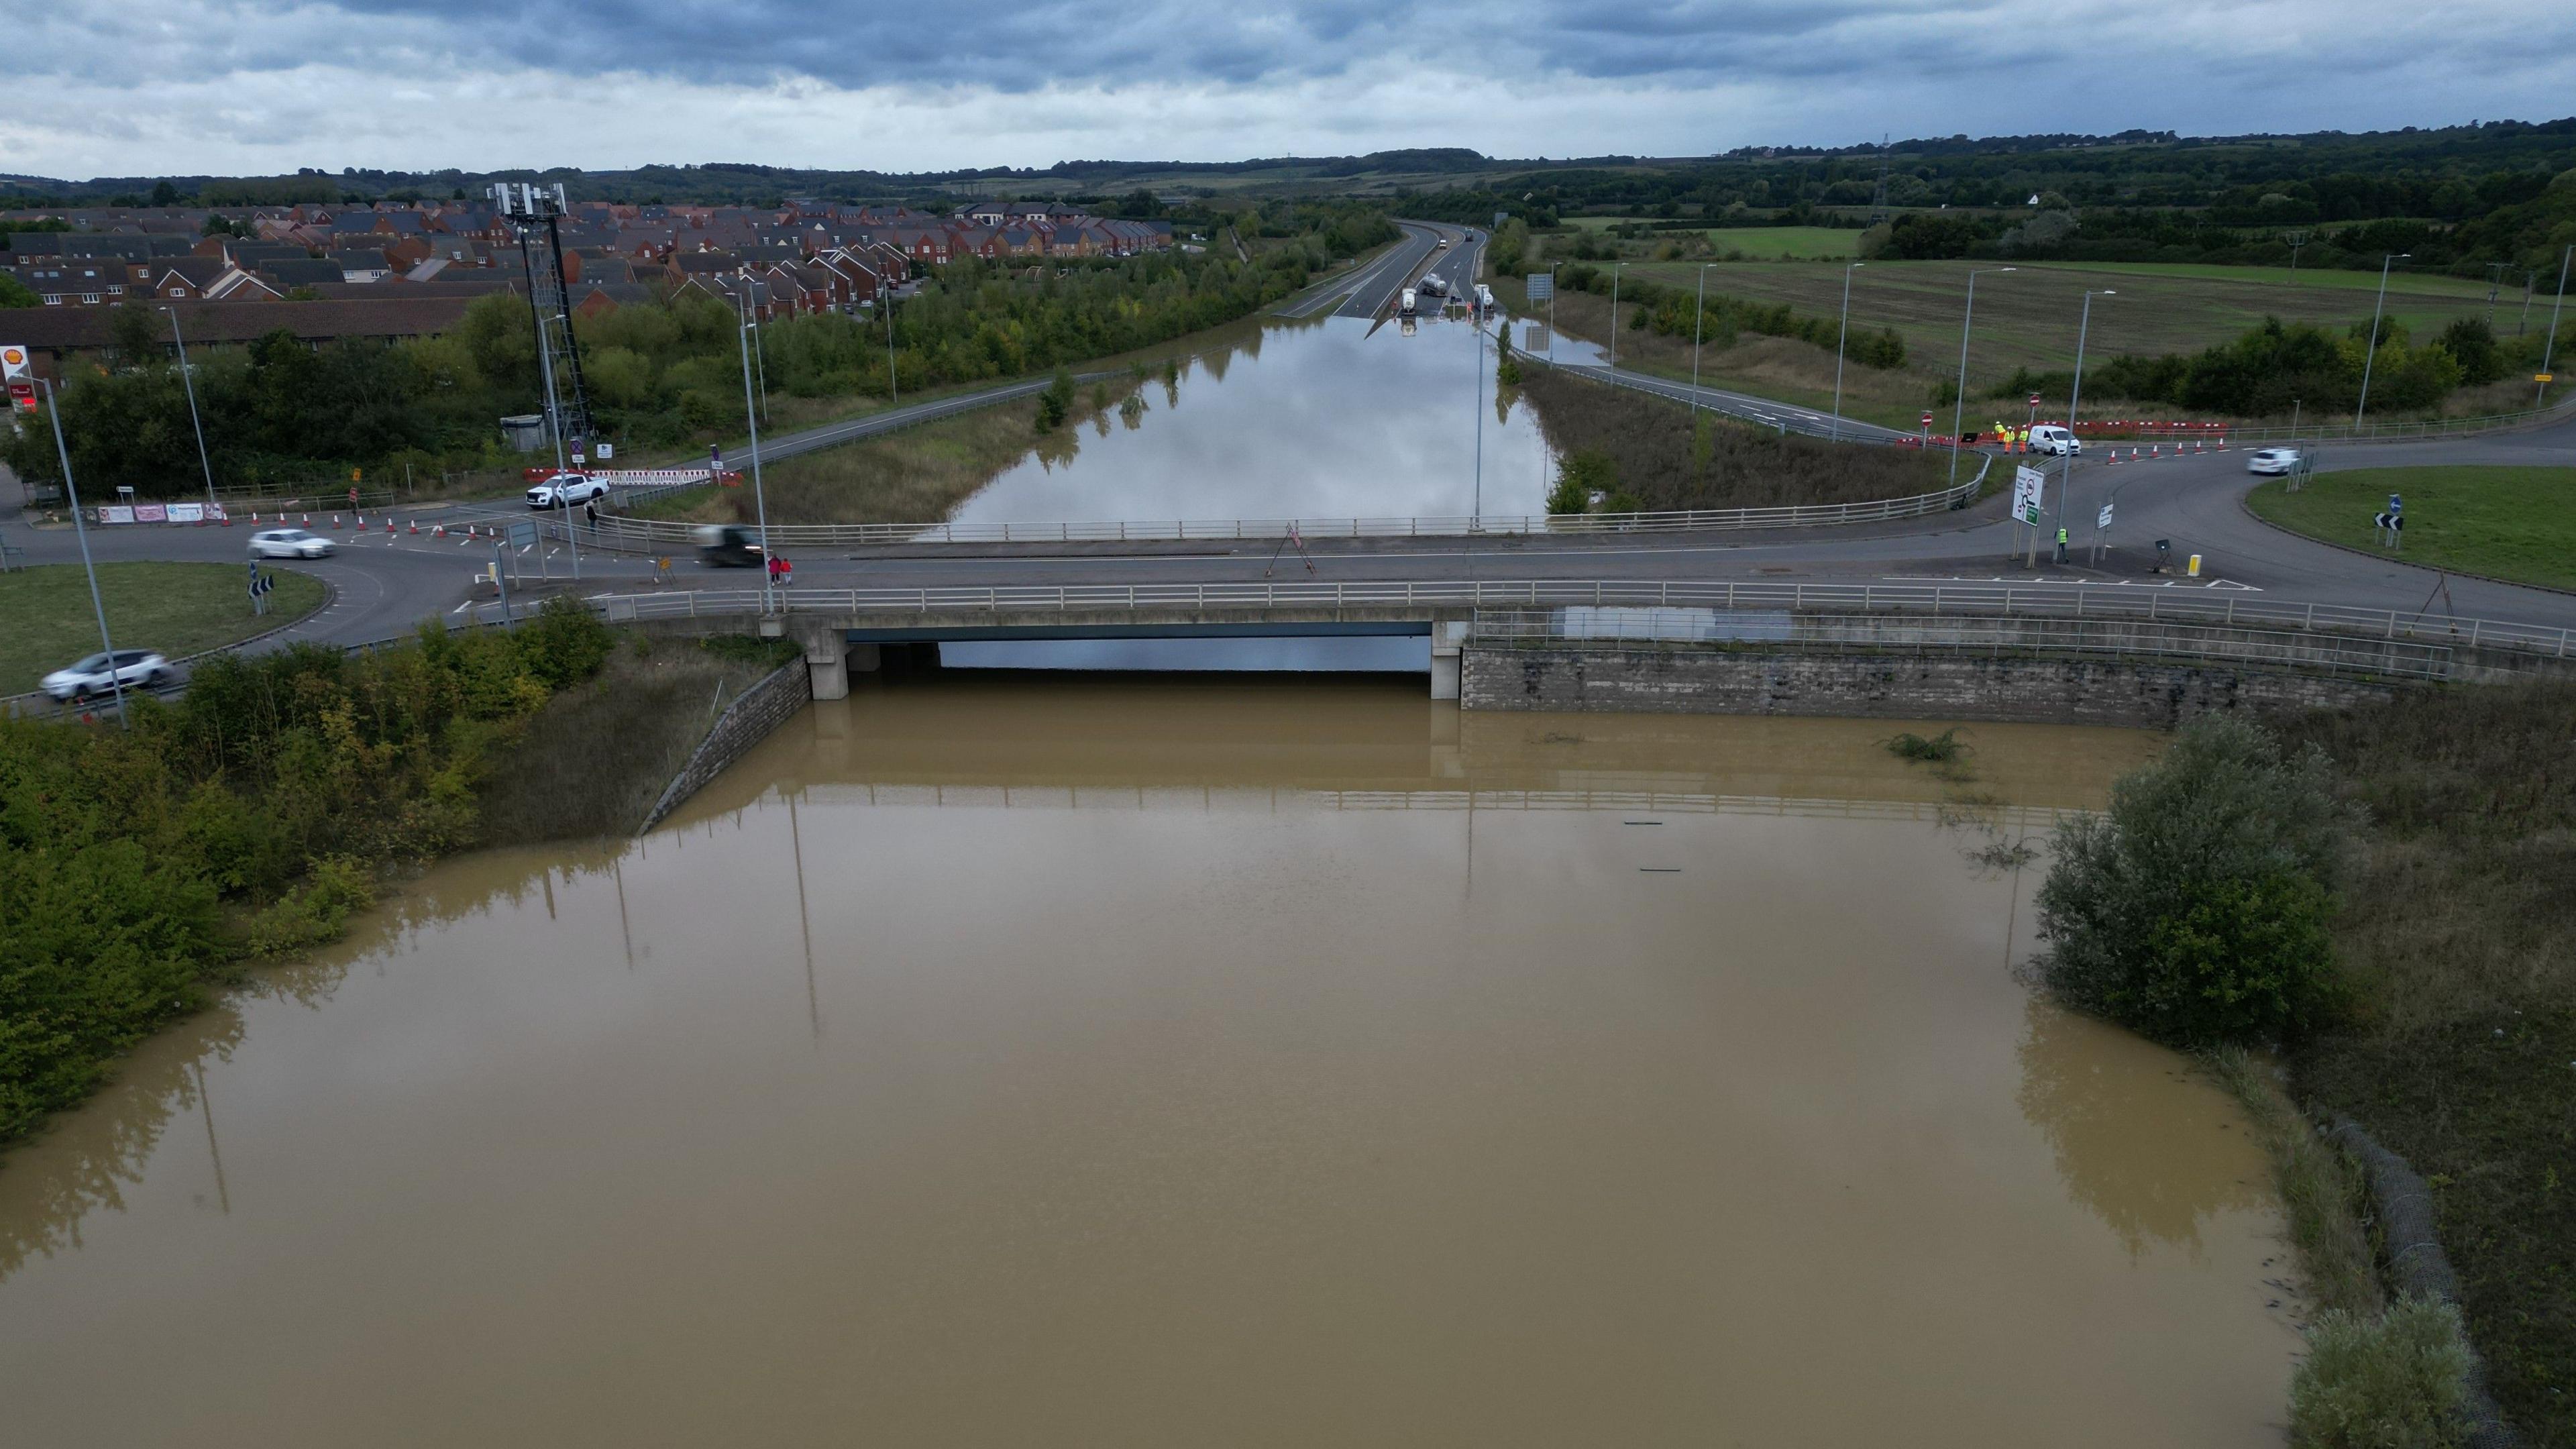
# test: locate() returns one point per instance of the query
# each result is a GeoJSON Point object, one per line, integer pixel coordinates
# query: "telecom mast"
{"type": "Point", "coordinates": [550, 304]}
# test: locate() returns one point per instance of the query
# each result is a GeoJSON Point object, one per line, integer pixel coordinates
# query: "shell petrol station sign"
{"type": "Point", "coordinates": [19, 377]}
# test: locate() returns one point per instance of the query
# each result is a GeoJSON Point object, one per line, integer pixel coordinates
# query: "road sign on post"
{"type": "Point", "coordinates": [1542, 287]}
{"type": "Point", "coordinates": [2103, 520]}
{"type": "Point", "coordinates": [2027, 485]}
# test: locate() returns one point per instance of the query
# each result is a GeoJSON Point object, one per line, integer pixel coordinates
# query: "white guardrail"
{"type": "Point", "coordinates": [660, 535]}
{"type": "Point", "coordinates": [2072, 601]}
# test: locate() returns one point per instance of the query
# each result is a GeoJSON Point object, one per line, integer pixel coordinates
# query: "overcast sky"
{"type": "Point", "coordinates": [144, 87]}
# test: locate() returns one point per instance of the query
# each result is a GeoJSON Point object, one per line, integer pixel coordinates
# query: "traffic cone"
{"type": "Point", "coordinates": [308, 520]}
{"type": "Point", "coordinates": [2115, 457]}
{"type": "Point", "coordinates": [415, 525]}
{"type": "Point", "coordinates": [439, 532]}
{"type": "Point", "coordinates": [335, 520]}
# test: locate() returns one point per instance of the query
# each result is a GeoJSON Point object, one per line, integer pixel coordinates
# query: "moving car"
{"type": "Point", "coordinates": [2272, 461]}
{"type": "Point", "coordinates": [135, 669]}
{"type": "Point", "coordinates": [729, 545]}
{"type": "Point", "coordinates": [290, 543]}
{"type": "Point", "coordinates": [567, 490]}
{"type": "Point", "coordinates": [2055, 441]}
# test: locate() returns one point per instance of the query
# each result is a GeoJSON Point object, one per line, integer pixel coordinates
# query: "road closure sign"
{"type": "Point", "coordinates": [2027, 483]}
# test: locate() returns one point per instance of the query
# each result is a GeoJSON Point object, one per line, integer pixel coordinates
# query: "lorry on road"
{"type": "Point", "coordinates": [1434, 286]}
{"type": "Point", "coordinates": [1404, 303]}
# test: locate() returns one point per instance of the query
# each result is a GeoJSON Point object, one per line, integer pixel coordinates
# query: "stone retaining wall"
{"type": "Point", "coordinates": [2036, 689]}
{"type": "Point", "coordinates": [753, 714]}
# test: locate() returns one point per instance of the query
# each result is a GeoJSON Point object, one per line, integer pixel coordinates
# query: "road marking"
{"type": "Point", "coordinates": [2065, 583]}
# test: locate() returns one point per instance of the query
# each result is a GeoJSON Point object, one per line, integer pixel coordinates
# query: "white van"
{"type": "Point", "coordinates": [2054, 441]}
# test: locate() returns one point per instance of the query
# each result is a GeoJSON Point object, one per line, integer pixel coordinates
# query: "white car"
{"type": "Point", "coordinates": [135, 669]}
{"type": "Point", "coordinates": [2055, 441]}
{"type": "Point", "coordinates": [2273, 462]}
{"type": "Point", "coordinates": [290, 543]}
{"type": "Point", "coordinates": [567, 490]}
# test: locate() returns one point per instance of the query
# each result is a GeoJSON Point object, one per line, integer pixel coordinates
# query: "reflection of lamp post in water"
{"type": "Point", "coordinates": [813, 1004]}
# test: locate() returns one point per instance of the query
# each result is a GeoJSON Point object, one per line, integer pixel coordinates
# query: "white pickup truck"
{"type": "Point", "coordinates": [567, 490]}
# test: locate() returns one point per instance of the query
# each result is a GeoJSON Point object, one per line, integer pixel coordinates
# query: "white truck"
{"type": "Point", "coordinates": [1404, 303]}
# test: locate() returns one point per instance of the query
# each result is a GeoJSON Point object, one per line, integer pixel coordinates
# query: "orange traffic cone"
{"type": "Point", "coordinates": [335, 520]}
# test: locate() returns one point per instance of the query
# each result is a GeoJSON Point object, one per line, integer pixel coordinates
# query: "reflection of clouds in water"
{"type": "Point", "coordinates": [1318, 419]}
{"type": "Point", "coordinates": [83, 1162]}
{"type": "Point", "coordinates": [2149, 1158]}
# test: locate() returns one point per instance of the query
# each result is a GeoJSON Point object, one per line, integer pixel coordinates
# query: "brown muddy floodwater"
{"type": "Point", "coordinates": [1098, 1062]}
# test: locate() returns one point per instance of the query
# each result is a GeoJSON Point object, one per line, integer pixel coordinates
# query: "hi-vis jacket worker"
{"type": "Point", "coordinates": [2021, 440]}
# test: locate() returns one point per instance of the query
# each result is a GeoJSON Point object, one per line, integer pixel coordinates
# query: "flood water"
{"type": "Point", "coordinates": [1001, 1061]}
{"type": "Point", "coordinates": [1318, 419]}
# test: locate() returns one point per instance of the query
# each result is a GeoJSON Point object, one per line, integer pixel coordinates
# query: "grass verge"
{"type": "Point", "coordinates": [918, 475]}
{"type": "Point", "coordinates": [2508, 523]}
{"type": "Point", "coordinates": [600, 753]}
{"type": "Point", "coordinates": [1665, 456]}
{"type": "Point", "coordinates": [177, 608]}
{"type": "Point", "coordinates": [2458, 933]}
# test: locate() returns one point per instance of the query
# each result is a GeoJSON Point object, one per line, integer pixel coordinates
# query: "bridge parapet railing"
{"type": "Point", "coordinates": [651, 535]}
{"type": "Point", "coordinates": [2179, 606]}
{"type": "Point", "coordinates": [2161, 640]}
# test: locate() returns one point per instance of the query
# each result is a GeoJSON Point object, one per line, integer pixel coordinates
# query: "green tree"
{"type": "Point", "coordinates": [1592, 471]}
{"type": "Point", "coordinates": [2472, 344]}
{"type": "Point", "coordinates": [164, 194]}
{"type": "Point", "coordinates": [135, 337]}
{"type": "Point", "coordinates": [14, 293]}
{"type": "Point", "coordinates": [2194, 911]}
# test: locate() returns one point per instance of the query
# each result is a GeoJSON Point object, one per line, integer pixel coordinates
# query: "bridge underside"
{"type": "Point", "coordinates": [836, 646]}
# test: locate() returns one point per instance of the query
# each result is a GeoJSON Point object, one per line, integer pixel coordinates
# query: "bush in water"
{"type": "Point", "coordinates": [2195, 910]}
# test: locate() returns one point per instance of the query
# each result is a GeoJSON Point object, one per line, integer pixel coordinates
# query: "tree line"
{"type": "Point", "coordinates": [2273, 365]}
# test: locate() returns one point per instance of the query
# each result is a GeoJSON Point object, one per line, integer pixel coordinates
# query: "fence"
{"type": "Point", "coordinates": [2179, 606]}
{"type": "Point", "coordinates": [2163, 640]}
{"type": "Point", "coordinates": [637, 535]}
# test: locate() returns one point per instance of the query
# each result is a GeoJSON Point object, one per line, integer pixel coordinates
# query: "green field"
{"type": "Point", "coordinates": [2028, 318]}
{"type": "Point", "coordinates": [1758, 243]}
{"type": "Point", "coordinates": [2508, 523]}
{"type": "Point", "coordinates": [176, 608]}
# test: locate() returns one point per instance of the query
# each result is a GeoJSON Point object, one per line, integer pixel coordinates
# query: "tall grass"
{"type": "Point", "coordinates": [2397, 1380]}
{"type": "Point", "coordinates": [1667, 457]}
{"type": "Point", "coordinates": [599, 755]}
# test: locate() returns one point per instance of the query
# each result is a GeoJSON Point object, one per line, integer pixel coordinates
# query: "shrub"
{"type": "Point", "coordinates": [2397, 1382]}
{"type": "Point", "coordinates": [2195, 910]}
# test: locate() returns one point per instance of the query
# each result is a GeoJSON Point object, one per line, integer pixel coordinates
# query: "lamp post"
{"type": "Point", "coordinates": [1614, 312]}
{"type": "Point", "coordinates": [2370, 354]}
{"type": "Point", "coordinates": [760, 501]}
{"type": "Point", "coordinates": [194, 422]}
{"type": "Point", "coordinates": [2066, 475]}
{"type": "Point", "coordinates": [894, 390]}
{"type": "Point", "coordinates": [115, 682]}
{"type": "Point", "coordinates": [1839, 336]}
{"type": "Point", "coordinates": [1699, 325]}
{"type": "Point", "coordinates": [1959, 400]}
{"type": "Point", "coordinates": [2549, 348]}
{"type": "Point", "coordinates": [1551, 311]}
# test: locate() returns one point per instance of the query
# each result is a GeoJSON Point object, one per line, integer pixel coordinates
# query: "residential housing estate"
{"type": "Point", "coordinates": [388, 270]}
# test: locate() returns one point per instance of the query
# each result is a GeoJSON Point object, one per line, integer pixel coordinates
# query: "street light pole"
{"type": "Point", "coordinates": [1476, 509]}
{"type": "Point", "coordinates": [1614, 312]}
{"type": "Point", "coordinates": [2549, 348]}
{"type": "Point", "coordinates": [1839, 337]}
{"type": "Point", "coordinates": [2066, 475]}
{"type": "Point", "coordinates": [115, 682]}
{"type": "Point", "coordinates": [1551, 311]}
{"type": "Point", "coordinates": [2370, 354]}
{"type": "Point", "coordinates": [894, 390]}
{"type": "Point", "coordinates": [1699, 325]}
{"type": "Point", "coordinates": [1959, 399]}
{"type": "Point", "coordinates": [194, 422]}
{"type": "Point", "coordinates": [759, 500]}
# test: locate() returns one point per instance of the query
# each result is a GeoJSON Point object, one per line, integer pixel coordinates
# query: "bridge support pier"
{"type": "Point", "coordinates": [1448, 638]}
{"type": "Point", "coordinates": [830, 657]}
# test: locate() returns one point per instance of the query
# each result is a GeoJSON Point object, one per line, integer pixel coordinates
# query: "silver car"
{"type": "Point", "coordinates": [134, 669]}
{"type": "Point", "coordinates": [2272, 462]}
{"type": "Point", "coordinates": [289, 543]}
